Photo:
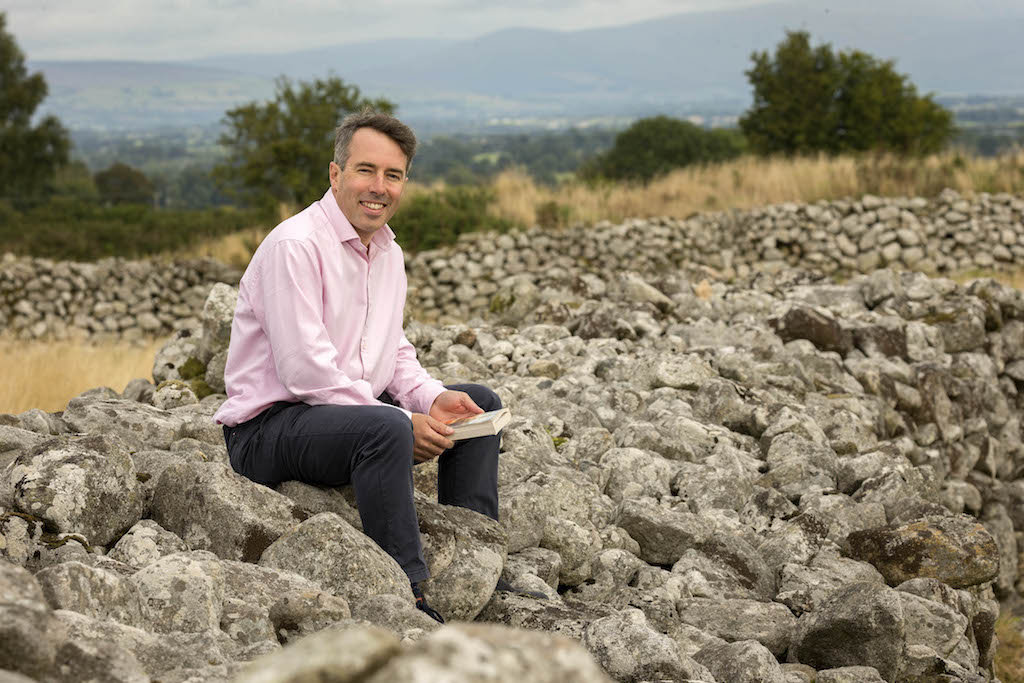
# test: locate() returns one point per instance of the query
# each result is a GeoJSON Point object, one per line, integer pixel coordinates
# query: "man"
{"type": "Point", "coordinates": [323, 386]}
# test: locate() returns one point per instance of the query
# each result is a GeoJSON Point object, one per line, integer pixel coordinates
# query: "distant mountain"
{"type": "Point", "coordinates": [685, 63]}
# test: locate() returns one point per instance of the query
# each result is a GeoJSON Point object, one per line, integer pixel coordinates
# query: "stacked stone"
{"type": "Point", "coordinates": [109, 299]}
{"type": "Point", "coordinates": [778, 478]}
{"type": "Point", "coordinates": [949, 234]}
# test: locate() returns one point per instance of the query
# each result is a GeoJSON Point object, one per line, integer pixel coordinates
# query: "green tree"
{"type": "Point", "coordinates": [278, 151]}
{"type": "Point", "coordinates": [657, 145]}
{"type": "Point", "coordinates": [810, 99]}
{"type": "Point", "coordinates": [29, 154]}
{"type": "Point", "coordinates": [122, 184]}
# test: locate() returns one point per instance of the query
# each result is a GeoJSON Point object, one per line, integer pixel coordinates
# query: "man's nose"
{"type": "Point", "coordinates": [377, 185]}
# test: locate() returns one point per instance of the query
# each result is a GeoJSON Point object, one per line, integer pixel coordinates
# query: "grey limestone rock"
{"type": "Point", "coordinates": [29, 633]}
{"type": "Point", "coordinates": [494, 653]}
{"type": "Point", "coordinates": [630, 650]}
{"type": "Point", "coordinates": [137, 425]}
{"type": "Point", "coordinates": [329, 552]}
{"type": "Point", "coordinates": [182, 592]}
{"type": "Point", "coordinates": [97, 660]}
{"type": "Point", "coordinates": [849, 674]}
{"type": "Point", "coordinates": [395, 614]}
{"type": "Point", "coordinates": [769, 623]}
{"type": "Point", "coordinates": [465, 552]}
{"type": "Point", "coordinates": [343, 653]}
{"type": "Point", "coordinates": [211, 507]}
{"type": "Point", "coordinates": [173, 393]}
{"type": "Point", "coordinates": [860, 624]}
{"type": "Point", "coordinates": [217, 316]}
{"type": "Point", "coordinates": [634, 473]}
{"type": "Point", "coordinates": [804, 588]}
{"type": "Point", "coordinates": [139, 389]}
{"type": "Point", "coordinates": [956, 550]}
{"type": "Point", "coordinates": [92, 591]}
{"type": "Point", "coordinates": [145, 543]}
{"type": "Point", "coordinates": [741, 662]}
{"type": "Point", "coordinates": [663, 534]}
{"type": "Point", "coordinates": [86, 486]}
{"type": "Point", "coordinates": [175, 353]}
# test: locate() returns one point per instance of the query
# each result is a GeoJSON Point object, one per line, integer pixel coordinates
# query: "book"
{"type": "Point", "coordinates": [484, 424]}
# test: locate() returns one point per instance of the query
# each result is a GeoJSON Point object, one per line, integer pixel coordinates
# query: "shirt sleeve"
{"type": "Point", "coordinates": [291, 298]}
{"type": "Point", "coordinates": [411, 386]}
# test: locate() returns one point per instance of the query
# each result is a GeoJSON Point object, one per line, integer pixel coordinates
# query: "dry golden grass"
{"type": "Point", "coordinates": [47, 375]}
{"type": "Point", "coordinates": [1009, 659]}
{"type": "Point", "coordinates": [754, 181]}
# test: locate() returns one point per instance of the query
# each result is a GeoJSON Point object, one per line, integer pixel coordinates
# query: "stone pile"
{"type": "Point", "coordinates": [107, 300]}
{"type": "Point", "coordinates": [774, 479]}
{"type": "Point", "coordinates": [946, 235]}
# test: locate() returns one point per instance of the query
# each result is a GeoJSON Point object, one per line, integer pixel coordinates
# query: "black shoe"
{"type": "Point", "coordinates": [421, 604]}
{"type": "Point", "coordinates": [505, 587]}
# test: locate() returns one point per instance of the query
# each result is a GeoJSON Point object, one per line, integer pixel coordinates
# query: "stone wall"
{"type": "Point", "coordinates": [949, 234]}
{"type": "Point", "coordinates": [109, 299]}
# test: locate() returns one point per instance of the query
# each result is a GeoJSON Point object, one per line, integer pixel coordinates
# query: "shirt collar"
{"type": "Point", "coordinates": [383, 238]}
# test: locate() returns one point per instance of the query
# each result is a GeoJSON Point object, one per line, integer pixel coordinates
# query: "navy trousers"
{"type": "Point", "coordinates": [369, 447]}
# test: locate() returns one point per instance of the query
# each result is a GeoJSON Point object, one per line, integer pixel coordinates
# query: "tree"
{"type": "Point", "coordinates": [29, 155]}
{"type": "Point", "coordinates": [657, 145]}
{"type": "Point", "coordinates": [279, 150]}
{"type": "Point", "coordinates": [810, 100]}
{"type": "Point", "coordinates": [122, 184]}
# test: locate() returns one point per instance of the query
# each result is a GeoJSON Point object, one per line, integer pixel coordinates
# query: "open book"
{"type": "Point", "coordinates": [484, 424]}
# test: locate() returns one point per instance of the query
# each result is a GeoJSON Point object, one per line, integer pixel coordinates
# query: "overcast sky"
{"type": "Point", "coordinates": [185, 29]}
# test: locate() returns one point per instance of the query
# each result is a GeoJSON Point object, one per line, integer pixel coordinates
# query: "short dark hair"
{"type": "Point", "coordinates": [379, 121]}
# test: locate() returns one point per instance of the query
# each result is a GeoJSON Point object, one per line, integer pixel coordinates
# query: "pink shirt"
{"type": "Point", "coordinates": [319, 321]}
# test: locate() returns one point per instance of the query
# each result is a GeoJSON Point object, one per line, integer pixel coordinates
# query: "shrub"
{"type": "Point", "coordinates": [430, 219]}
{"type": "Point", "coordinates": [69, 229]}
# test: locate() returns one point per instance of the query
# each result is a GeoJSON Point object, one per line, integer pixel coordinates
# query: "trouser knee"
{"type": "Point", "coordinates": [481, 395]}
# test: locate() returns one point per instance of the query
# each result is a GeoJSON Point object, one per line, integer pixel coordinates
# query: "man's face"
{"type": "Point", "coordinates": [368, 188]}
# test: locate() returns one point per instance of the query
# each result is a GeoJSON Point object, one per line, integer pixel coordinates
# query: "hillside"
{"type": "Point", "coordinates": [689, 63]}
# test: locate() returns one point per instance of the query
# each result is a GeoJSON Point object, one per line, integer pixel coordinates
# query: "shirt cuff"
{"type": "Point", "coordinates": [425, 396]}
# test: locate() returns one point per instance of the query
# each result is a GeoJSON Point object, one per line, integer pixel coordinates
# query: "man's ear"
{"type": "Point", "coordinates": [334, 173]}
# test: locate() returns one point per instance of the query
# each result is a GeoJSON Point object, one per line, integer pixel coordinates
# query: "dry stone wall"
{"type": "Point", "coordinates": [109, 299]}
{"type": "Point", "coordinates": [948, 234]}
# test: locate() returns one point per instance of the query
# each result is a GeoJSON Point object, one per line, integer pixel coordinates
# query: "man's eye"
{"type": "Point", "coordinates": [363, 171]}
{"type": "Point", "coordinates": [395, 177]}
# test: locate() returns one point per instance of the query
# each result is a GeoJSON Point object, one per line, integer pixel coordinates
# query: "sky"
{"type": "Point", "coordinates": [173, 30]}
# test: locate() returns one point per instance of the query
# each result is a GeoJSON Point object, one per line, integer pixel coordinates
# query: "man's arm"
{"type": "Point", "coordinates": [411, 386]}
{"type": "Point", "coordinates": [291, 311]}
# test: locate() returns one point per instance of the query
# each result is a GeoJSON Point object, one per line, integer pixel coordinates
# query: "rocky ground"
{"type": "Point", "coordinates": [777, 479]}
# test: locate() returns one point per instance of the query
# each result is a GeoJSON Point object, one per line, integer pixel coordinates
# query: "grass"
{"type": "Point", "coordinates": [47, 375]}
{"type": "Point", "coordinates": [1009, 659]}
{"type": "Point", "coordinates": [743, 183]}
{"type": "Point", "coordinates": [750, 182]}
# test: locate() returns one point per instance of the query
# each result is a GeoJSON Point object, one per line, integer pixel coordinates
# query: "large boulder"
{"type": "Point", "coordinates": [29, 633]}
{"type": "Point", "coordinates": [96, 592]}
{"type": "Point", "coordinates": [630, 650]}
{"type": "Point", "coordinates": [328, 551]}
{"type": "Point", "coordinates": [468, 652]}
{"type": "Point", "coordinates": [86, 486]}
{"type": "Point", "coordinates": [211, 507]}
{"type": "Point", "coordinates": [465, 552]}
{"type": "Point", "coordinates": [958, 551]}
{"type": "Point", "coordinates": [182, 592]}
{"type": "Point", "coordinates": [136, 424]}
{"type": "Point", "coordinates": [861, 624]}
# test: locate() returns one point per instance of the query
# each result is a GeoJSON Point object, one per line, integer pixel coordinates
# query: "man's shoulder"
{"type": "Point", "coordinates": [305, 226]}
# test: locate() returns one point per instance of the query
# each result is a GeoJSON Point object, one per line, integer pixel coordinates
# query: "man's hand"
{"type": "Point", "coordinates": [430, 436]}
{"type": "Point", "coordinates": [453, 405]}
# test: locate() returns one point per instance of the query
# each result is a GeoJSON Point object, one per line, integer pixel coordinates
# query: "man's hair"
{"type": "Point", "coordinates": [379, 121]}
